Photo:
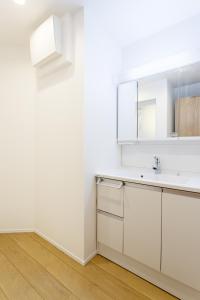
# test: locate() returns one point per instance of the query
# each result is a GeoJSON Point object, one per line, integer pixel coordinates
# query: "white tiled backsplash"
{"type": "Point", "coordinates": [174, 158]}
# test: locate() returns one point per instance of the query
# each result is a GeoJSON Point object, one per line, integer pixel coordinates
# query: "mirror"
{"type": "Point", "coordinates": [169, 104]}
{"type": "Point", "coordinates": [147, 119]}
{"type": "Point", "coordinates": [159, 107]}
{"type": "Point", "coordinates": [127, 112]}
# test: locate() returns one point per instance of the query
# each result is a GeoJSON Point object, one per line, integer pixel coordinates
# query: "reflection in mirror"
{"type": "Point", "coordinates": [147, 119]}
{"type": "Point", "coordinates": [154, 99]}
{"type": "Point", "coordinates": [169, 104]}
{"type": "Point", "coordinates": [187, 101]}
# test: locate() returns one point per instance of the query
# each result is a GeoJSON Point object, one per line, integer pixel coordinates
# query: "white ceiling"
{"type": "Point", "coordinates": [126, 20]}
{"type": "Point", "coordinates": [16, 22]}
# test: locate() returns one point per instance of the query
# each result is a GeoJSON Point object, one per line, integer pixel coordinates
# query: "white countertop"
{"type": "Point", "coordinates": [163, 180]}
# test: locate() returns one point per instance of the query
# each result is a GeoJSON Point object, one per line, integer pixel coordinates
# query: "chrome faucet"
{"type": "Point", "coordinates": [156, 165]}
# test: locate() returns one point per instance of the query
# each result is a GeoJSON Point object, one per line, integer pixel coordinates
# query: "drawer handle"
{"type": "Point", "coordinates": [114, 186]}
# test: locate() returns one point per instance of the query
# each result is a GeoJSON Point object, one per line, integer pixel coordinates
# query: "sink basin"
{"type": "Point", "coordinates": [173, 179]}
{"type": "Point", "coordinates": [150, 176]}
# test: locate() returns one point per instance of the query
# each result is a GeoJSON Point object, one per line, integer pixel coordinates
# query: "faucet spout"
{"type": "Point", "coordinates": [156, 166]}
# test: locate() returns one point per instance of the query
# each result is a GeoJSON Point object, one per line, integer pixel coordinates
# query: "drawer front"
{"type": "Point", "coordinates": [110, 231]}
{"type": "Point", "coordinates": [110, 194]}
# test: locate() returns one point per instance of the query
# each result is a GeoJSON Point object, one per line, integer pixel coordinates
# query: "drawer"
{"type": "Point", "coordinates": [110, 231]}
{"type": "Point", "coordinates": [110, 195]}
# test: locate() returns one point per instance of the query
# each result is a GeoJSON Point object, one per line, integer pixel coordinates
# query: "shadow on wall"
{"type": "Point", "coordinates": [59, 75]}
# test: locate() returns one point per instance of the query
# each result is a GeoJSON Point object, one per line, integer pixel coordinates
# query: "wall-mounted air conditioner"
{"type": "Point", "coordinates": [51, 43]}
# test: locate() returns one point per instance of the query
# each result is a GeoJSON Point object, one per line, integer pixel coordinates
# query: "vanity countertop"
{"type": "Point", "coordinates": [163, 180]}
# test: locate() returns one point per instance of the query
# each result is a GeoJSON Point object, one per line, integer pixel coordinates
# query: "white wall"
{"type": "Point", "coordinates": [176, 39]}
{"type": "Point", "coordinates": [171, 41]}
{"type": "Point", "coordinates": [76, 135]}
{"type": "Point", "coordinates": [59, 151]}
{"type": "Point", "coordinates": [174, 158]}
{"type": "Point", "coordinates": [103, 62]}
{"type": "Point", "coordinates": [57, 131]}
{"type": "Point", "coordinates": [16, 139]}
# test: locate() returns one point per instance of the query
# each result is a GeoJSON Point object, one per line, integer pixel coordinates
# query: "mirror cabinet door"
{"type": "Point", "coordinates": [127, 112]}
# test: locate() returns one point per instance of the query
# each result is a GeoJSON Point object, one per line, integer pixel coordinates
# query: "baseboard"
{"type": "Point", "coordinates": [162, 281]}
{"type": "Point", "coordinates": [66, 251]}
{"type": "Point", "coordinates": [51, 241]}
{"type": "Point", "coordinates": [16, 230]}
{"type": "Point", "coordinates": [90, 257]}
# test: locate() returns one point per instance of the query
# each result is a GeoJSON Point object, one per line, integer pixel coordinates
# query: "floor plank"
{"type": "Point", "coordinates": [47, 286]}
{"type": "Point", "coordinates": [115, 288]}
{"type": "Point", "coordinates": [132, 280]}
{"type": "Point", "coordinates": [71, 279]}
{"type": "Point", "coordinates": [12, 283]}
{"type": "Point", "coordinates": [32, 268]}
{"type": "Point", "coordinates": [2, 295]}
{"type": "Point", "coordinates": [118, 274]}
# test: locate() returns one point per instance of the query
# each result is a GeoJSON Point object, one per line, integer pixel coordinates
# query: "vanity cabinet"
{"type": "Point", "coordinates": [153, 232]}
{"type": "Point", "coordinates": [181, 237]}
{"type": "Point", "coordinates": [142, 224]}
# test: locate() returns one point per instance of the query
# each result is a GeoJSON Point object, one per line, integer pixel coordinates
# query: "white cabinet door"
{"type": "Point", "coordinates": [110, 231]}
{"type": "Point", "coordinates": [181, 237]}
{"type": "Point", "coordinates": [127, 112]}
{"type": "Point", "coordinates": [142, 224]}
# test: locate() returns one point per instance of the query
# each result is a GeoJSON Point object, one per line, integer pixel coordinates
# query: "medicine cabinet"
{"type": "Point", "coordinates": [164, 106]}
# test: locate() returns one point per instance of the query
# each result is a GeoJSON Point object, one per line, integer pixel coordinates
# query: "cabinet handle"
{"type": "Point", "coordinates": [114, 186]}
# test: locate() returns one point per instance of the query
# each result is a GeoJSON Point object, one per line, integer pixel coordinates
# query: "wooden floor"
{"type": "Point", "coordinates": [31, 268]}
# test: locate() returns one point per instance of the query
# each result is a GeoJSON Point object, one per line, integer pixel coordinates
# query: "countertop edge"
{"type": "Point", "coordinates": [180, 187]}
